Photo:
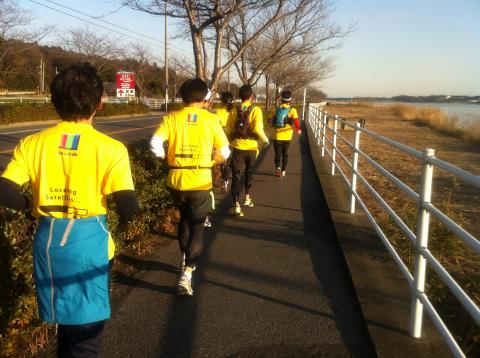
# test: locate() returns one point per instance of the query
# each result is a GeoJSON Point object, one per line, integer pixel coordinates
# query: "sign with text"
{"type": "Point", "coordinates": [125, 84]}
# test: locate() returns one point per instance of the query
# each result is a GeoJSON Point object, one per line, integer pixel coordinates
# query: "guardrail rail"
{"type": "Point", "coordinates": [326, 137]}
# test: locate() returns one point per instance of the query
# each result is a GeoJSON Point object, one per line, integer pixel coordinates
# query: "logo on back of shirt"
{"type": "Point", "coordinates": [70, 141]}
{"type": "Point", "coordinates": [192, 118]}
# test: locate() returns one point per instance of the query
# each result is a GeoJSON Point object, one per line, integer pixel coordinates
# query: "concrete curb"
{"type": "Point", "coordinates": [382, 292]}
{"type": "Point", "coordinates": [32, 123]}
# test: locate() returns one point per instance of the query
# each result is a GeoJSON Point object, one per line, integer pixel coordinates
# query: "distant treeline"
{"type": "Point", "coordinates": [418, 99]}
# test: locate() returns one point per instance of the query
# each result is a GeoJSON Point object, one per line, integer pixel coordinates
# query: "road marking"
{"type": "Point", "coordinates": [115, 132]}
{"type": "Point", "coordinates": [95, 122]}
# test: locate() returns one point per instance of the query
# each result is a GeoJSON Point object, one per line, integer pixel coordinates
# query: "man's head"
{"type": "Point", "coordinates": [193, 91]}
{"type": "Point", "coordinates": [286, 96]}
{"type": "Point", "coordinates": [245, 93]}
{"type": "Point", "coordinates": [77, 92]}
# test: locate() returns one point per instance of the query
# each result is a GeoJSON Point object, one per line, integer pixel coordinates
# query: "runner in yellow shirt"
{"type": "Point", "coordinates": [192, 135]}
{"type": "Point", "coordinates": [72, 168]}
{"type": "Point", "coordinates": [283, 121]}
{"type": "Point", "coordinates": [223, 113]}
{"type": "Point", "coordinates": [244, 128]}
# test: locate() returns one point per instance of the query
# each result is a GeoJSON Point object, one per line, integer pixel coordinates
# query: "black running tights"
{"type": "Point", "coordinates": [281, 153]}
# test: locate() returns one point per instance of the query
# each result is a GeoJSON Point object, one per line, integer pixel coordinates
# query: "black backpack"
{"type": "Point", "coordinates": [242, 126]}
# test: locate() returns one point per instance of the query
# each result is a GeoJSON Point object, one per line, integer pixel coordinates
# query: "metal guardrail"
{"type": "Point", "coordinates": [12, 100]}
{"type": "Point", "coordinates": [326, 138]}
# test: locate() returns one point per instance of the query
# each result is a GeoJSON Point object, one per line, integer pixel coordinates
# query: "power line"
{"type": "Point", "coordinates": [92, 23]}
{"type": "Point", "coordinates": [104, 21]}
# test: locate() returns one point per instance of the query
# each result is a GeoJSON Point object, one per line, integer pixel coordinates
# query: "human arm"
{"type": "Point", "coordinates": [156, 146]}
{"type": "Point", "coordinates": [258, 125]}
{"type": "Point", "coordinates": [126, 203]}
{"type": "Point", "coordinates": [11, 197]}
{"type": "Point", "coordinates": [222, 149]}
{"type": "Point", "coordinates": [296, 122]}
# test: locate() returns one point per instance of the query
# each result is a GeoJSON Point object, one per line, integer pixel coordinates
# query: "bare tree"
{"type": "Point", "coordinates": [139, 58]}
{"type": "Point", "coordinates": [183, 71]}
{"type": "Point", "coordinates": [94, 48]}
{"type": "Point", "coordinates": [305, 29]}
{"type": "Point", "coordinates": [206, 22]}
{"type": "Point", "coordinates": [15, 39]}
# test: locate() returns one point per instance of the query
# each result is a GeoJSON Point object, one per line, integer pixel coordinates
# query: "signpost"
{"type": "Point", "coordinates": [126, 84]}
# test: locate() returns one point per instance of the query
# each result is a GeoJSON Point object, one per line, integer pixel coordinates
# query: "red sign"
{"type": "Point", "coordinates": [126, 80]}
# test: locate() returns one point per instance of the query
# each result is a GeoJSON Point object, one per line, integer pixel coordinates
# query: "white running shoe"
{"type": "Point", "coordinates": [224, 186]}
{"type": "Point", "coordinates": [248, 202]}
{"type": "Point", "coordinates": [207, 223]}
{"type": "Point", "coordinates": [184, 286]}
{"type": "Point", "coordinates": [238, 211]}
{"type": "Point", "coordinates": [284, 173]}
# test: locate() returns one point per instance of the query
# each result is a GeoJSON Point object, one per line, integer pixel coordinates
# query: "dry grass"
{"type": "Point", "coordinates": [437, 119]}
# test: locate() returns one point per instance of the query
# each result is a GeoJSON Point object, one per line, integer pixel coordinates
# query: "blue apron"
{"type": "Point", "coordinates": [71, 270]}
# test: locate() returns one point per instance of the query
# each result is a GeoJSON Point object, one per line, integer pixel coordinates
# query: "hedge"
{"type": "Point", "coordinates": [22, 334]}
{"type": "Point", "coordinates": [27, 112]}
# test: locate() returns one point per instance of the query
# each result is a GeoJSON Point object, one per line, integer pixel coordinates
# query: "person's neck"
{"type": "Point", "coordinates": [88, 120]}
{"type": "Point", "coordinates": [195, 105]}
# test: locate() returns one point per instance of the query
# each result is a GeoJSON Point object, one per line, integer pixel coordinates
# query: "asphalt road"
{"type": "Point", "coordinates": [273, 283]}
{"type": "Point", "coordinates": [125, 130]}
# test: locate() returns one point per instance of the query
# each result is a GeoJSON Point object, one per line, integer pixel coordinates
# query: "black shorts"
{"type": "Point", "coordinates": [197, 202]}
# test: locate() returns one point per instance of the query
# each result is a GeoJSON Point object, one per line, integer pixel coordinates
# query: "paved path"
{"type": "Point", "coordinates": [272, 283]}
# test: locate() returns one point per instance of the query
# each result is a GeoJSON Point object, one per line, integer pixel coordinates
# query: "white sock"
{"type": "Point", "coordinates": [188, 274]}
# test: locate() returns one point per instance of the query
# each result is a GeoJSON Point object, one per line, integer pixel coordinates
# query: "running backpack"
{"type": "Point", "coordinates": [242, 126]}
{"type": "Point", "coordinates": [280, 115]}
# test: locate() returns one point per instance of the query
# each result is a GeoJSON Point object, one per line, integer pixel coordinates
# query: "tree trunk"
{"type": "Point", "coordinates": [267, 92]}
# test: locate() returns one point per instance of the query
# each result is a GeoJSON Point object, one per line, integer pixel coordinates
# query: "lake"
{"type": "Point", "coordinates": [466, 112]}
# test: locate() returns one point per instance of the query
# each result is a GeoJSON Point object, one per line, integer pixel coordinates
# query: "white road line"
{"type": "Point", "coordinates": [37, 129]}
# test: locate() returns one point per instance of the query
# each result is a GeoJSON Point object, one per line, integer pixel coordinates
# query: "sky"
{"type": "Point", "coordinates": [409, 47]}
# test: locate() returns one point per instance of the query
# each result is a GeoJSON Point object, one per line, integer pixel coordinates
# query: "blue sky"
{"type": "Point", "coordinates": [414, 47]}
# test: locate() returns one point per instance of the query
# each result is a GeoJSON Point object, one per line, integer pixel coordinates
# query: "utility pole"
{"type": "Point", "coordinates": [166, 60]}
{"type": "Point", "coordinates": [41, 76]}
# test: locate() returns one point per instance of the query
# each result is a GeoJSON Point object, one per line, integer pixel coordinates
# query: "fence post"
{"type": "Point", "coordinates": [324, 125]}
{"type": "Point", "coordinates": [334, 145]}
{"type": "Point", "coordinates": [356, 146]}
{"type": "Point", "coordinates": [304, 102]}
{"type": "Point", "coordinates": [420, 265]}
{"type": "Point", "coordinates": [318, 120]}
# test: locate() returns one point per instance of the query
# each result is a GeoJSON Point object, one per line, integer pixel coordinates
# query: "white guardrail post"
{"type": "Point", "coordinates": [334, 144]}
{"type": "Point", "coordinates": [421, 242]}
{"type": "Point", "coordinates": [356, 146]}
{"type": "Point", "coordinates": [318, 119]}
{"type": "Point", "coordinates": [324, 125]}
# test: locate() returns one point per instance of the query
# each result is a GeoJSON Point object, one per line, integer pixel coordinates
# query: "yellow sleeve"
{"type": "Point", "coordinates": [219, 138]}
{"type": "Point", "coordinates": [293, 113]}
{"type": "Point", "coordinates": [17, 169]}
{"type": "Point", "coordinates": [163, 130]}
{"type": "Point", "coordinates": [232, 117]}
{"type": "Point", "coordinates": [257, 117]}
{"type": "Point", "coordinates": [119, 176]}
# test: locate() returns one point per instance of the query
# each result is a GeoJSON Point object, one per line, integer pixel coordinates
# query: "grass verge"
{"type": "Point", "coordinates": [28, 112]}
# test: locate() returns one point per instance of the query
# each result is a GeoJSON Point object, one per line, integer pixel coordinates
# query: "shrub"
{"type": "Point", "coordinates": [25, 112]}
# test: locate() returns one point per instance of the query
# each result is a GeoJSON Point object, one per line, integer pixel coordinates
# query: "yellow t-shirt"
{"type": "Point", "coordinates": [222, 113]}
{"type": "Point", "coordinates": [256, 125]}
{"type": "Point", "coordinates": [191, 133]}
{"type": "Point", "coordinates": [72, 168]}
{"type": "Point", "coordinates": [286, 132]}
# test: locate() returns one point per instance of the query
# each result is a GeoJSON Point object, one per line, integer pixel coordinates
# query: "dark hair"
{"type": "Point", "coordinates": [286, 96]}
{"type": "Point", "coordinates": [76, 92]}
{"type": "Point", "coordinates": [193, 90]}
{"type": "Point", "coordinates": [245, 92]}
{"type": "Point", "coordinates": [227, 98]}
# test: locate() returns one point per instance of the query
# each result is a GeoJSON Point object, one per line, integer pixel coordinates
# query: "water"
{"type": "Point", "coordinates": [465, 112]}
